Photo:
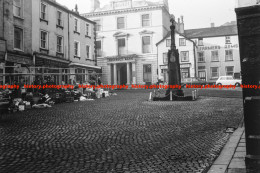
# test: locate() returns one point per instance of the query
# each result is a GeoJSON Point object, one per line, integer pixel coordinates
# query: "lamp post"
{"type": "Point", "coordinates": [174, 64]}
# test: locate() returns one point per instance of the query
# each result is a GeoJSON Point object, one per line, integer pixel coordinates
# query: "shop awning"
{"type": "Point", "coordinates": [45, 60]}
{"type": "Point", "coordinates": [84, 65]}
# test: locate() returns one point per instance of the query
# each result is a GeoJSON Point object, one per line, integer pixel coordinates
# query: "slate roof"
{"type": "Point", "coordinates": [211, 32]}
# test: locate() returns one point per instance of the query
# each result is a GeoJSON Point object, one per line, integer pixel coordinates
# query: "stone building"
{"type": "Point", "coordinates": [16, 40]}
{"type": "Point", "coordinates": [217, 51]}
{"type": "Point", "coordinates": [63, 42]}
{"type": "Point", "coordinates": [127, 33]}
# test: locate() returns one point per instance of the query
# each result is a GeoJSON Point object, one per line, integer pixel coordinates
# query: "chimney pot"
{"type": "Point", "coordinates": [212, 25]}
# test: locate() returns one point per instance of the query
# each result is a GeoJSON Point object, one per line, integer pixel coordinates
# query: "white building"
{"type": "Point", "coordinates": [127, 33]}
{"type": "Point", "coordinates": [218, 51]}
{"type": "Point", "coordinates": [187, 54]}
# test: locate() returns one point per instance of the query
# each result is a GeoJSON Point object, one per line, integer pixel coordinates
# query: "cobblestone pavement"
{"type": "Point", "coordinates": [123, 133]}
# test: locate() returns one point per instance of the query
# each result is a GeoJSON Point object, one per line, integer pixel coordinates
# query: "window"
{"type": "Point", "coordinates": [201, 57]}
{"type": "Point", "coordinates": [43, 11]}
{"type": "Point", "coordinates": [88, 51]}
{"type": "Point", "coordinates": [185, 56]}
{"type": "Point", "coordinates": [121, 46]}
{"type": "Point", "coordinates": [59, 44]}
{"type": "Point", "coordinates": [76, 49]}
{"type": "Point", "coordinates": [87, 29]}
{"type": "Point", "coordinates": [214, 55]}
{"type": "Point", "coordinates": [165, 58]}
{"type": "Point", "coordinates": [168, 42]}
{"type": "Point", "coordinates": [182, 42]}
{"type": "Point", "coordinates": [146, 44]}
{"type": "Point", "coordinates": [98, 48]}
{"type": "Point", "coordinates": [229, 55]}
{"type": "Point", "coordinates": [147, 73]}
{"type": "Point", "coordinates": [98, 25]}
{"type": "Point", "coordinates": [44, 40]}
{"type": "Point", "coordinates": [185, 73]}
{"type": "Point", "coordinates": [229, 70]}
{"type": "Point", "coordinates": [18, 38]}
{"type": "Point", "coordinates": [76, 25]}
{"type": "Point", "coordinates": [59, 18]}
{"type": "Point", "coordinates": [120, 23]}
{"type": "Point", "coordinates": [145, 20]}
{"type": "Point", "coordinates": [201, 67]}
{"type": "Point", "coordinates": [200, 41]}
{"type": "Point", "coordinates": [17, 8]}
{"type": "Point", "coordinates": [228, 40]}
{"type": "Point", "coordinates": [214, 72]}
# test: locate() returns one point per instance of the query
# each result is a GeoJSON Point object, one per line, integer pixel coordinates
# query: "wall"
{"type": "Point", "coordinates": [222, 63]}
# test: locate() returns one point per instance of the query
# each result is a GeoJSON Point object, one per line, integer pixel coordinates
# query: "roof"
{"type": "Point", "coordinates": [169, 34]}
{"type": "Point", "coordinates": [211, 32]}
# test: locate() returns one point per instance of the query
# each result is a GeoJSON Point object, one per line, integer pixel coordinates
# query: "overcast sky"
{"type": "Point", "coordinates": [197, 13]}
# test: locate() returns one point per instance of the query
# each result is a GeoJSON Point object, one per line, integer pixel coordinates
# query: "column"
{"type": "Point", "coordinates": [115, 74]}
{"type": "Point", "coordinates": [134, 73]}
{"type": "Point", "coordinates": [109, 78]}
{"type": "Point", "coordinates": [128, 74]}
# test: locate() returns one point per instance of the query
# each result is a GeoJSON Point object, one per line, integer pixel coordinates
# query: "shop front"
{"type": "Point", "coordinates": [51, 69]}
{"type": "Point", "coordinates": [83, 73]}
{"type": "Point", "coordinates": [17, 68]}
{"type": "Point", "coordinates": [122, 70]}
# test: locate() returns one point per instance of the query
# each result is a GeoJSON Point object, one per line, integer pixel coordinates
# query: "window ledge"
{"type": "Point", "coordinates": [87, 36]}
{"type": "Point", "coordinates": [60, 55]}
{"type": "Point", "coordinates": [18, 50]}
{"type": "Point", "coordinates": [185, 61]}
{"type": "Point", "coordinates": [18, 17]}
{"type": "Point", "coordinates": [43, 50]}
{"type": "Point", "coordinates": [76, 56]}
{"type": "Point", "coordinates": [201, 62]}
{"type": "Point", "coordinates": [59, 26]}
{"type": "Point", "coordinates": [43, 20]}
{"type": "Point", "coordinates": [229, 60]}
{"type": "Point", "coordinates": [76, 32]}
{"type": "Point", "coordinates": [214, 61]}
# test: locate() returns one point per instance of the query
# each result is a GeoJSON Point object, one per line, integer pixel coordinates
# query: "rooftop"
{"type": "Point", "coordinates": [211, 32]}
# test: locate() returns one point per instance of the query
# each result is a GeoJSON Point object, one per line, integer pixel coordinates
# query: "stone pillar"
{"type": "Point", "coordinates": [115, 74]}
{"type": "Point", "coordinates": [128, 74]}
{"type": "Point", "coordinates": [109, 79]}
{"type": "Point", "coordinates": [134, 73]}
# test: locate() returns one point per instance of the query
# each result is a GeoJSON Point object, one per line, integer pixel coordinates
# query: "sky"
{"type": "Point", "coordinates": [197, 13]}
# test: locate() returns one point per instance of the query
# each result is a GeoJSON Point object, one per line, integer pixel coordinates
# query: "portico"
{"type": "Point", "coordinates": [122, 70]}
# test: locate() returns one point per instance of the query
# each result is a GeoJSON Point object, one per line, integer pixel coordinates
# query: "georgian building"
{"type": "Point", "coordinates": [63, 42]}
{"type": "Point", "coordinates": [217, 51]}
{"type": "Point", "coordinates": [127, 33]}
{"type": "Point", "coordinates": [15, 40]}
{"type": "Point", "coordinates": [187, 54]}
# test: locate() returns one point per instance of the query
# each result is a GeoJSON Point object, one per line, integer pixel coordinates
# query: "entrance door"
{"type": "Point", "coordinates": [123, 74]}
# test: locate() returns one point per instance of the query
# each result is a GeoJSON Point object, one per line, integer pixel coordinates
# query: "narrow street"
{"type": "Point", "coordinates": [123, 133]}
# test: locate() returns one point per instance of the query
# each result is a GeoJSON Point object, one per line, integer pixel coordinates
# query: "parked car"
{"type": "Point", "coordinates": [192, 81]}
{"type": "Point", "coordinates": [228, 80]}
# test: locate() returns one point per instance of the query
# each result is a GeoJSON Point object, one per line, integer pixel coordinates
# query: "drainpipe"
{"type": "Point", "coordinates": [195, 59]}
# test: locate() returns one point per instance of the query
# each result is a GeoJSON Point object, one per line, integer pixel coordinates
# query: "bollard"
{"type": "Point", "coordinates": [195, 95]}
{"type": "Point", "coordinates": [171, 95]}
{"type": "Point", "coordinates": [150, 97]}
{"type": "Point", "coordinates": [192, 95]}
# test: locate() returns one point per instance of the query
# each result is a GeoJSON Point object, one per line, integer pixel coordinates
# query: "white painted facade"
{"type": "Point", "coordinates": [245, 3]}
{"type": "Point", "coordinates": [187, 64]}
{"type": "Point", "coordinates": [218, 57]}
{"type": "Point", "coordinates": [133, 65]}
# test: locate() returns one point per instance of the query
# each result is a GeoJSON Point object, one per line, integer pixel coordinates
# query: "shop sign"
{"type": "Point", "coordinates": [19, 59]}
{"type": "Point", "coordinates": [231, 46]}
{"type": "Point", "coordinates": [120, 59]}
{"type": "Point", "coordinates": [164, 67]}
{"type": "Point", "coordinates": [209, 48]}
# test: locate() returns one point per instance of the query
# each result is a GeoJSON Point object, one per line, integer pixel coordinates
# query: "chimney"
{"type": "Point", "coordinates": [95, 4]}
{"type": "Point", "coordinates": [76, 9]}
{"type": "Point", "coordinates": [181, 26]}
{"type": "Point", "coordinates": [212, 25]}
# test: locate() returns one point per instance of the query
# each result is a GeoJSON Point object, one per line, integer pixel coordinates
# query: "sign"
{"type": "Point", "coordinates": [231, 46]}
{"type": "Point", "coordinates": [120, 58]}
{"type": "Point", "coordinates": [185, 65]}
{"type": "Point", "coordinates": [122, 4]}
{"type": "Point", "coordinates": [19, 59]}
{"type": "Point", "coordinates": [209, 48]}
{"type": "Point", "coordinates": [164, 67]}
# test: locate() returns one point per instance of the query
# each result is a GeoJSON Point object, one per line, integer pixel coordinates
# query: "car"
{"type": "Point", "coordinates": [192, 81]}
{"type": "Point", "coordinates": [228, 80]}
